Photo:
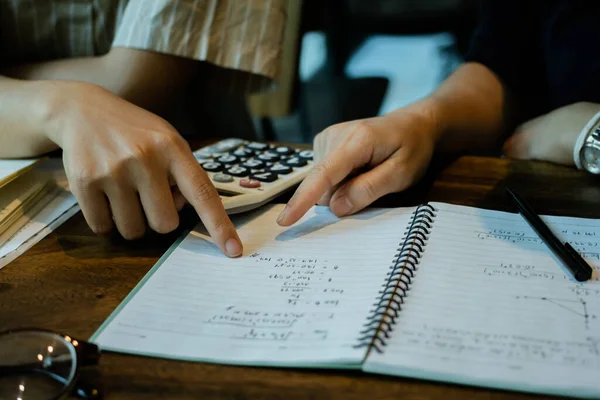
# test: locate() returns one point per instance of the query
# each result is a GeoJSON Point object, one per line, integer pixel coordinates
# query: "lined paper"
{"type": "Point", "coordinates": [490, 305]}
{"type": "Point", "coordinates": [298, 297]}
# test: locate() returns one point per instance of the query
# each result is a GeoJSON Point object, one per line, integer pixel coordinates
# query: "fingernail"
{"type": "Point", "coordinates": [233, 247]}
{"type": "Point", "coordinates": [282, 215]}
{"type": "Point", "coordinates": [342, 206]}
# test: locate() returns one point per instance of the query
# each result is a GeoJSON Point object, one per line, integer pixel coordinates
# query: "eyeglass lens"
{"type": "Point", "coordinates": [35, 365]}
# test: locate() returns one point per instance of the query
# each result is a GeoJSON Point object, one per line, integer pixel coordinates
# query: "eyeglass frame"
{"type": "Point", "coordinates": [86, 355]}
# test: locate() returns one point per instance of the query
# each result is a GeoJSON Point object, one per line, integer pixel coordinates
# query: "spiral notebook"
{"type": "Point", "coordinates": [438, 292]}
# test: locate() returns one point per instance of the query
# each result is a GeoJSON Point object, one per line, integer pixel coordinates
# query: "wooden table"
{"type": "Point", "coordinates": [72, 280]}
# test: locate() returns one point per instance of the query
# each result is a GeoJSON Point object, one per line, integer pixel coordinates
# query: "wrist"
{"type": "Point", "coordinates": [38, 98]}
{"type": "Point", "coordinates": [428, 117]}
{"type": "Point", "coordinates": [433, 110]}
{"type": "Point", "coordinates": [47, 107]}
{"type": "Point", "coordinates": [57, 102]}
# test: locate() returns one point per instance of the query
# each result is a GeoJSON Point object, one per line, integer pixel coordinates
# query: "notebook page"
{"type": "Point", "coordinates": [298, 297]}
{"type": "Point", "coordinates": [491, 306]}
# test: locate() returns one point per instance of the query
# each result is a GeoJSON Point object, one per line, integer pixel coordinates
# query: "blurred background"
{"type": "Point", "coordinates": [351, 59]}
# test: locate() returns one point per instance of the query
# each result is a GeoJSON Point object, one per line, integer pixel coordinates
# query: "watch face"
{"type": "Point", "coordinates": [591, 159]}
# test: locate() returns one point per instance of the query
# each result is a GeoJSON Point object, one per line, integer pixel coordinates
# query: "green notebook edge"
{"type": "Point", "coordinates": [254, 363]}
{"type": "Point", "coordinates": [139, 285]}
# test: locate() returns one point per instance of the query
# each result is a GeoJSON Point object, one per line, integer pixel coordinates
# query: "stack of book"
{"type": "Point", "coordinates": [23, 193]}
{"type": "Point", "coordinates": [34, 200]}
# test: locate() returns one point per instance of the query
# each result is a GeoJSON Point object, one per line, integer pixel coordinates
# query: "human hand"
{"type": "Point", "coordinates": [120, 160]}
{"type": "Point", "coordinates": [357, 162]}
{"type": "Point", "coordinates": [551, 137]}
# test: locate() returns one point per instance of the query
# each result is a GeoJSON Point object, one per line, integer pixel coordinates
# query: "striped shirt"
{"type": "Point", "coordinates": [236, 35]}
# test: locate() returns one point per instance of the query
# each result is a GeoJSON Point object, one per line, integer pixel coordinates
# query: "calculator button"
{"type": "Point", "coordinates": [238, 171]}
{"type": "Point", "coordinates": [212, 166]}
{"type": "Point", "coordinates": [257, 146]}
{"type": "Point", "coordinates": [250, 149]}
{"type": "Point", "coordinates": [284, 150]}
{"type": "Point", "coordinates": [249, 183]}
{"type": "Point", "coordinates": [203, 154]}
{"type": "Point", "coordinates": [280, 169]}
{"type": "Point", "coordinates": [228, 159]}
{"type": "Point", "coordinates": [306, 154]}
{"type": "Point", "coordinates": [227, 145]}
{"type": "Point", "coordinates": [268, 156]}
{"type": "Point", "coordinates": [243, 152]}
{"type": "Point", "coordinates": [209, 150]}
{"type": "Point", "coordinates": [224, 178]}
{"type": "Point", "coordinates": [295, 162]}
{"type": "Point", "coordinates": [265, 176]}
{"type": "Point", "coordinates": [253, 163]}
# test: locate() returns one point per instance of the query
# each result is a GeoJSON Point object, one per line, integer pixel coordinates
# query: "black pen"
{"type": "Point", "coordinates": [580, 269]}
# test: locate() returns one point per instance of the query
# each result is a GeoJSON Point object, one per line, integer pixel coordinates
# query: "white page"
{"type": "Point", "coordinates": [298, 297]}
{"type": "Point", "coordinates": [491, 306]}
{"type": "Point", "coordinates": [9, 169]}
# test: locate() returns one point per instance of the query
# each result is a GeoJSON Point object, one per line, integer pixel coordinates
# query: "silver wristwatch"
{"type": "Point", "coordinates": [589, 154]}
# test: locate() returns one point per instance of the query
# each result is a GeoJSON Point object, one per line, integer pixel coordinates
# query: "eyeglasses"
{"type": "Point", "coordinates": [43, 365]}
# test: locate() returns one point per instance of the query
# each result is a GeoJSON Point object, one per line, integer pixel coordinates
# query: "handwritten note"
{"type": "Point", "coordinates": [509, 348]}
{"type": "Point", "coordinates": [299, 296]}
{"type": "Point", "coordinates": [491, 305]}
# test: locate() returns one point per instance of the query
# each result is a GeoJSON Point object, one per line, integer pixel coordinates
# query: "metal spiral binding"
{"type": "Point", "coordinates": [389, 303]}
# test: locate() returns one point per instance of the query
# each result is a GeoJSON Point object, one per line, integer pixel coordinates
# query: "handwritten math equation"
{"type": "Point", "coordinates": [265, 325]}
{"type": "Point", "coordinates": [587, 243]}
{"type": "Point", "coordinates": [511, 349]}
{"type": "Point", "coordinates": [305, 281]}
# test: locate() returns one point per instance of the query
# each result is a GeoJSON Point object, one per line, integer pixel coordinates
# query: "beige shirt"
{"type": "Point", "coordinates": [240, 35]}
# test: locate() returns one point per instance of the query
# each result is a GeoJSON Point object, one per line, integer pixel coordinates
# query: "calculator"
{"type": "Point", "coordinates": [249, 174]}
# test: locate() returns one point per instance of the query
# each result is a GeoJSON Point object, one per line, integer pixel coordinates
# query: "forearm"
{"type": "Point", "coordinates": [470, 110]}
{"type": "Point", "coordinates": [149, 80]}
{"type": "Point", "coordinates": [86, 69]}
{"type": "Point", "coordinates": [23, 110]}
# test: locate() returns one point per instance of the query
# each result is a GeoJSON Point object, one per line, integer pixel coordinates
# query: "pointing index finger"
{"type": "Point", "coordinates": [197, 188]}
{"type": "Point", "coordinates": [323, 177]}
